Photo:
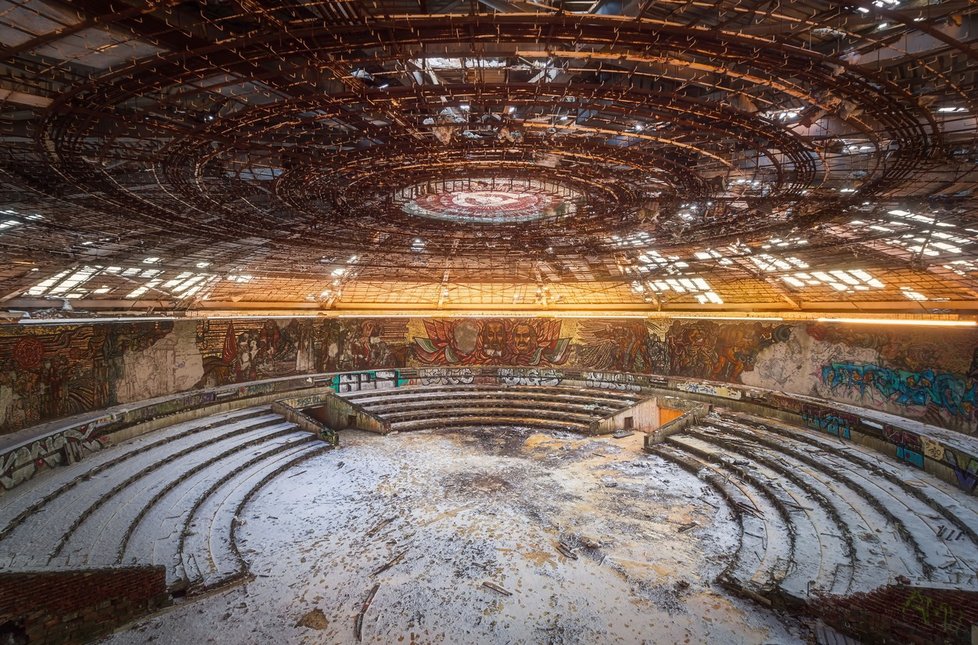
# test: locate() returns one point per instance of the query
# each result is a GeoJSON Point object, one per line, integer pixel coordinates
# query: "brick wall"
{"type": "Point", "coordinates": [76, 606]}
{"type": "Point", "coordinates": [903, 614]}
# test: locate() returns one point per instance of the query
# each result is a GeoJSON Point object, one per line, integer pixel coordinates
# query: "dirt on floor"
{"type": "Point", "coordinates": [480, 536]}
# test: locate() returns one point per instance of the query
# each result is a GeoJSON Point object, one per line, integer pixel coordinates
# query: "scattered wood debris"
{"type": "Point", "coordinates": [590, 542]}
{"type": "Point", "coordinates": [397, 558]}
{"type": "Point", "coordinates": [566, 551]}
{"type": "Point", "coordinates": [358, 629]}
{"type": "Point", "coordinates": [750, 509]}
{"type": "Point", "coordinates": [379, 525]}
{"type": "Point", "coordinates": [496, 588]}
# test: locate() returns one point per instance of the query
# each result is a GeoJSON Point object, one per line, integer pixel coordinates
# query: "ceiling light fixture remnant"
{"type": "Point", "coordinates": [721, 318]}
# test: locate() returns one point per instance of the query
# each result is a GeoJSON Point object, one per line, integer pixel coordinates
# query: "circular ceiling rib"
{"type": "Point", "coordinates": [683, 132]}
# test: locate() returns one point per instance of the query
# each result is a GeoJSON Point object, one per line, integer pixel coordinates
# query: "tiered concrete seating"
{"type": "Point", "coordinates": [557, 407]}
{"type": "Point", "coordinates": [166, 498]}
{"type": "Point", "coordinates": [821, 515]}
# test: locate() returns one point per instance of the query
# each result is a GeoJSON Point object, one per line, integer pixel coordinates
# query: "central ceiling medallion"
{"type": "Point", "coordinates": [488, 200]}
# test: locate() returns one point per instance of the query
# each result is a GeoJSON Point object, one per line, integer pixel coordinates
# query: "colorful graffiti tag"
{"type": "Point", "coordinates": [965, 468]}
{"type": "Point", "coordinates": [948, 392]}
{"type": "Point", "coordinates": [369, 380]}
{"type": "Point", "coordinates": [519, 342]}
{"type": "Point", "coordinates": [54, 450]}
{"type": "Point", "coordinates": [709, 389]}
{"type": "Point", "coordinates": [828, 421]}
{"type": "Point", "coordinates": [446, 376]}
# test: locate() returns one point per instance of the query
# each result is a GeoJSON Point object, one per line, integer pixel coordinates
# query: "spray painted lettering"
{"type": "Point", "coordinates": [370, 380]}
{"type": "Point", "coordinates": [965, 469]}
{"type": "Point", "coordinates": [951, 393]}
{"type": "Point", "coordinates": [612, 381]}
{"type": "Point", "coordinates": [709, 390]}
{"type": "Point", "coordinates": [516, 376]}
{"type": "Point", "coordinates": [833, 423]}
{"type": "Point", "coordinates": [446, 376]}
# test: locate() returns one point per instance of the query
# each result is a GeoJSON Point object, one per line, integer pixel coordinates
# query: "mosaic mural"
{"type": "Point", "coordinates": [720, 351]}
{"type": "Point", "coordinates": [56, 371]}
{"type": "Point", "coordinates": [59, 371]}
{"type": "Point", "coordinates": [521, 341]}
{"type": "Point", "coordinates": [622, 345]}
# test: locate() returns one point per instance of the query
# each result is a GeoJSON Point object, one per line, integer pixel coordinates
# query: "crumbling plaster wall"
{"type": "Point", "coordinates": [53, 371]}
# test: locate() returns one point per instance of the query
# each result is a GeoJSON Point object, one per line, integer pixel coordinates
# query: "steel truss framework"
{"type": "Point", "coordinates": [248, 154]}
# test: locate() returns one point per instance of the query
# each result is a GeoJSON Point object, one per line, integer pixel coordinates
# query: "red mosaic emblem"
{"type": "Point", "coordinates": [28, 352]}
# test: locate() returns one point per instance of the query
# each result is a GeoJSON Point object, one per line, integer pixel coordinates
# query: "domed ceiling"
{"type": "Point", "coordinates": [489, 155]}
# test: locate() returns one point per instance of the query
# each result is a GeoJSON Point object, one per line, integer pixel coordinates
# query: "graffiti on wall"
{"type": "Point", "coordinates": [54, 450]}
{"type": "Point", "coordinates": [612, 381]}
{"type": "Point", "coordinates": [496, 341]}
{"type": "Point", "coordinates": [58, 371]}
{"type": "Point", "coordinates": [831, 422]}
{"type": "Point", "coordinates": [909, 447]}
{"type": "Point", "coordinates": [369, 380]}
{"type": "Point", "coordinates": [965, 468]}
{"type": "Point", "coordinates": [950, 393]}
{"type": "Point", "coordinates": [446, 376]}
{"type": "Point", "coordinates": [710, 390]}
{"type": "Point", "coordinates": [909, 349]}
{"type": "Point", "coordinates": [719, 352]}
{"type": "Point", "coordinates": [529, 376]}
{"type": "Point", "coordinates": [903, 614]}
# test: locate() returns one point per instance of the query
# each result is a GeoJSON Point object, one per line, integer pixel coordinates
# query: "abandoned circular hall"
{"type": "Point", "coordinates": [488, 321]}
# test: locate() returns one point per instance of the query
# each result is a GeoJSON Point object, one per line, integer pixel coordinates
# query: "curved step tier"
{"type": "Point", "coordinates": [852, 521]}
{"type": "Point", "coordinates": [554, 407]}
{"type": "Point", "coordinates": [168, 498]}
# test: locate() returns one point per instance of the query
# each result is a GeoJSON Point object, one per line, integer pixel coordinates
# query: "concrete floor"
{"type": "Point", "coordinates": [429, 517]}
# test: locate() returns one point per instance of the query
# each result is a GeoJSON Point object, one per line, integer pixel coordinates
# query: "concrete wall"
{"type": "Point", "coordinates": [644, 417]}
{"type": "Point", "coordinates": [324, 413]}
{"type": "Point", "coordinates": [928, 374]}
{"type": "Point", "coordinates": [63, 442]}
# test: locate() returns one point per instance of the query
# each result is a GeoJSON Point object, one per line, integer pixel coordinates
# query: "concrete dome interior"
{"type": "Point", "coordinates": [546, 321]}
